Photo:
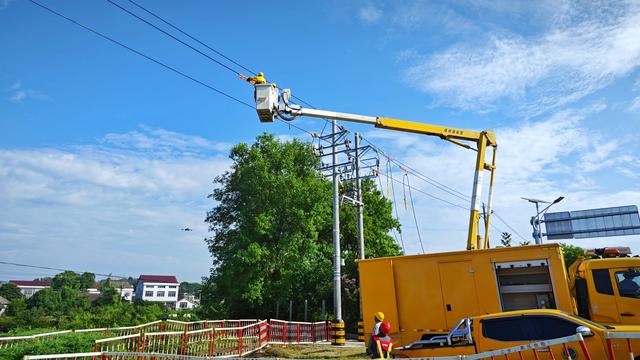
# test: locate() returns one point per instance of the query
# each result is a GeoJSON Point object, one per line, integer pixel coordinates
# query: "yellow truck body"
{"type": "Point", "coordinates": [517, 328]}
{"type": "Point", "coordinates": [424, 295]}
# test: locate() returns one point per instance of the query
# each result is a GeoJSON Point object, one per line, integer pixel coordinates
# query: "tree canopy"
{"type": "Point", "coordinates": [272, 233]}
{"type": "Point", "coordinates": [10, 292]}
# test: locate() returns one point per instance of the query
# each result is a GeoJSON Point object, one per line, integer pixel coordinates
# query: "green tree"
{"type": "Point", "coordinates": [66, 278]}
{"type": "Point", "coordinates": [272, 230]}
{"type": "Point", "coordinates": [86, 280]}
{"type": "Point", "coordinates": [571, 253]}
{"type": "Point", "coordinates": [505, 239]}
{"type": "Point", "coordinates": [10, 292]}
{"type": "Point", "coordinates": [190, 288]}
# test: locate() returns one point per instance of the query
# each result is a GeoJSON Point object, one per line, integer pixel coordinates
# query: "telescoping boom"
{"type": "Point", "coordinates": [272, 103]}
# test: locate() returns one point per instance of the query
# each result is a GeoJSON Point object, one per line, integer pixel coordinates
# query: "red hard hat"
{"type": "Point", "coordinates": [385, 328]}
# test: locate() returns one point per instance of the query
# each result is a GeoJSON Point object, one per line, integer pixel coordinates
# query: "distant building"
{"type": "Point", "coordinates": [94, 289]}
{"type": "Point", "coordinates": [4, 304]}
{"type": "Point", "coordinates": [122, 286]}
{"type": "Point", "coordinates": [125, 289]}
{"type": "Point", "coordinates": [28, 288]}
{"type": "Point", "coordinates": [158, 288]}
{"type": "Point", "coordinates": [186, 303]}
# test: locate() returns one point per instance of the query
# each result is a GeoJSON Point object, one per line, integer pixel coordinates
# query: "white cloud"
{"type": "Point", "coordinates": [113, 207]}
{"type": "Point", "coordinates": [160, 141]}
{"type": "Point", "coordinates": [17, 93]}
{"type": "Point", "coordinates": [577, 57]}
{"type": "Point", "coordinates": [370, 13]}
{"type": "Point", "coordinates": [635, 104]}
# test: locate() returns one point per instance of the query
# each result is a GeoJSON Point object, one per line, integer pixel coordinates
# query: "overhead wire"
{"type": "Point", "coordinates": [112, 2]}
{"type": "Point", "coordinates": [395, 206]}
{"type": "Point", "coordinates": [509, 226]}
{"type": "Point", "coordinates": [210, 87]}
{"type": "Point", "coordinates": [60, 269]}
{"type": "Point", "coordinates": [413, 209]}
{"type": "Point", "coordinates": [191, 36]}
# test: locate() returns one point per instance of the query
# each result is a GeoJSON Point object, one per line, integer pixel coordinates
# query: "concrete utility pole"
{"type": "Point", "coordinates": [337, 286]}
{"type": "Point", "coordinates": [360, 203]}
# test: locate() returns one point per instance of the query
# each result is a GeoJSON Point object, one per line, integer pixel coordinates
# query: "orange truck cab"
{"type": "Point", "coordinates": [484, 333]}
{"type": "Point", "coordinates": [607, 290]}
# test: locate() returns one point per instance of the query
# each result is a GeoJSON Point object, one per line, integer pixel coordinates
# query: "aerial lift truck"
{"type": "Point", "coordinates": [426, 295]}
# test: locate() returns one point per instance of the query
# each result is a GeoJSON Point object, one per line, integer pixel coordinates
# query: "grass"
{"type": "Point", "coordinates": [313, 351]}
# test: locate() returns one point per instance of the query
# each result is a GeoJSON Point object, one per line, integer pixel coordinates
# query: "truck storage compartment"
{"type": "Point", "coordinates": [524, 285]}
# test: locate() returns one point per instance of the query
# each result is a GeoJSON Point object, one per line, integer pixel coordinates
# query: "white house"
{"type": "Point", "coordinates": [28, 288]}
{"type": "Point", "coordinates": [125, 289]}
{"type": "Point", "coordinates": [186, 303]}
{"type": "Point", "coordinates": [158, 288]}
{"type": "Point", "coordinates": [122, 286]}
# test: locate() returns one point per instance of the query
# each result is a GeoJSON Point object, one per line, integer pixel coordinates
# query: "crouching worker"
{"type": "Point", "coordinates": [377, 319]}
{"type": "Point", "coordinates": [383, 342]}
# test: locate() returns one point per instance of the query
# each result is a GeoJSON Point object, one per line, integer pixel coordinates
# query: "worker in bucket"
{"type": "Point", "coordinates": [383, 342]}
{"type": "Point", "coordinates": [378, 318]}
{"type": "Point", "coordinates": [254, 80]}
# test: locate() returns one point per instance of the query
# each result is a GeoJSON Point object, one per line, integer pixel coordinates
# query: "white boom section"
{"type": "Point", "coordinates": [335, 115]}
{"type": "Point", "coordinates": [269, 103]}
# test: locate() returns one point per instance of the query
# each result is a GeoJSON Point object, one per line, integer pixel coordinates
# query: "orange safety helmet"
{"type": "Point", "coordinates": [385, 328]}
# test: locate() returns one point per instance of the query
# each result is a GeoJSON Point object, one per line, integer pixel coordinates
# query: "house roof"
{"type": "Point", "coordinates": [159, 278]}
{"type": "Point", "coordinates": [187, 300]}
{"type": "Point", "coordinates": [124, 284]}
{"type": "Point", "coordinates": [4, 301]}
{"type": "Point", "coordinates": [29, 283]}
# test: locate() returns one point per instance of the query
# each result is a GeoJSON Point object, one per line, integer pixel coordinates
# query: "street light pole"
{"type": "Point", "coordinates": [535, 220]}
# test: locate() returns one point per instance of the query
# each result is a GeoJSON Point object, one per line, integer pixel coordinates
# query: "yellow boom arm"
{"type": "Point", "coordinates": [270, 104]}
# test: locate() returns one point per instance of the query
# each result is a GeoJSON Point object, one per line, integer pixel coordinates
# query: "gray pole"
{"type": "Point", "coordinates": [337, 298]}
{"type": "Point", "coordinates": [324, 315]}
{"type": "Point", "coordinates": [305, 309]}
{"type": "Point", "coordinates": [290, 310]}
{"type": "Point", "coordinates": [360, 206]}
{"type": "Point", "coordinates": [537, 227]}
{"type": "Point", "coordinates": [359, 199]}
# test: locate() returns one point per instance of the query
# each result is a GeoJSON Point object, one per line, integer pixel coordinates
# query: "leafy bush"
{"type": "Point", "coordinates": [59, 344]}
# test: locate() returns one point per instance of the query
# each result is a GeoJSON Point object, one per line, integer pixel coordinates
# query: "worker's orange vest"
{"type": "Point", "coordinates": [384, 342]}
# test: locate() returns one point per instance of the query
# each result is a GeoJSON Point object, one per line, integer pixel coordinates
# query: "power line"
{"type": "Point", "coordinates": [171, 36]}
{"type": "Point", "coordinates": [413, 209]}
{"type": "Point", "coordinates": [141, 54]}
{"type": "Point", "coordinates": [418, 174]}
{"type": "Point", "coordinates": [58, 269]}
{"type": "Point", "coordinates": [509, 226]}
{"type": "Point", "coordinates": [190, 36]}
{"type": "Point", "coordinates": [428, 194]}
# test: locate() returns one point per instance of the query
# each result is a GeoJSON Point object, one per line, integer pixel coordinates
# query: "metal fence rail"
{"type": "Point", "coordinates": [612, 336]}
{"type": "Point", "coordinates": [9, 341]}
{"type": "Point", "coordinates": [198, 339]}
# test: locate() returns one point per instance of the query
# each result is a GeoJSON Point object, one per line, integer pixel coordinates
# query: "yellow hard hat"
{"type": "Point", "coordinates": [379, 315]}
{"type": "Point", "coordinates": [260, 73]}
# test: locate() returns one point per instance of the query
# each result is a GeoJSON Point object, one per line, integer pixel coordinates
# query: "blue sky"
{"type": "Point", "coordinates": [104, 155]}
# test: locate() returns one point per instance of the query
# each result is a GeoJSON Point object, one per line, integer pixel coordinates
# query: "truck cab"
{"type": "Point", "coordinates": [509, 329]}
{"type": "Point", "coordinates": [607, 290]}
